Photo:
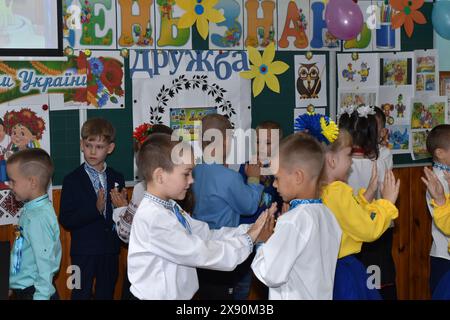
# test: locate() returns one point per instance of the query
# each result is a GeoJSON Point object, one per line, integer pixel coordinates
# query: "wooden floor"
{"type": "Point", "coordinates": [411, 246]}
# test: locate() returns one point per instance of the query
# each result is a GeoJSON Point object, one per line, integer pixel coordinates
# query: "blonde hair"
{"type": "Point", "coordinates": [344, 140]}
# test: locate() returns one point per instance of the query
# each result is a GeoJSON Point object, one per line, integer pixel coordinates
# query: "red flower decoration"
{"type": "Point", "coordinates": [82, 62]}
{"type": "Point", "coordinates": [142, 132]}
{"type": "Point", "coordinates": [27, 118]}
{"type": "Point", "coordinates": [408, 13]}
{"type": "Point", "coordinates": [45, 107]}
{"type": "Point", "coordinates": [112, 74]}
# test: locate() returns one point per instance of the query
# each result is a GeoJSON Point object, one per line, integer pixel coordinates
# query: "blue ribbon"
{"type": "Point", "coordinates": [296, 202]}
{"type": "Point", "coordinates": [181, 218]}
{"type": "Point", "coordinates": [441, 166]}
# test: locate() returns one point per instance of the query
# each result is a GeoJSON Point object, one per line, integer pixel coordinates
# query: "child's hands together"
{"type": "Point", "coordinates": [264, 222]}
{"type": "Point", "coordinates": [268, 227]}
{"type": "Point", "coordinates": [101, 201]}
{"type": "Point", "coordinates": [373, 183]}
{"type": "Point", "coordinates": [391, 188]}
{"type": "Point", "coordinates": [119, 198]}
{"type": "Point", "coordinates": [434, 186]}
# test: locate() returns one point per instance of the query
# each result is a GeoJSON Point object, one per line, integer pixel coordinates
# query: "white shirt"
{"type": "Point", "coordinates": [439, 248]}
{"type": "Point", "coordinates": [163, 255]}
{"type": "Point", "coordinates": [360, 174]}
{"type": "Point", "coordinates": [386, 156]}
{"type": "Point", "coordinates": [4, 143]}
{"type": "Point", "coordinates": [123, 216]}
{"type": "Point", "coordinates": [299, 259]}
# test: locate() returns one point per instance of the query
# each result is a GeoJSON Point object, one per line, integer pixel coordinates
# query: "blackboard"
{"type": "Point", "coordinates": [65, 135]}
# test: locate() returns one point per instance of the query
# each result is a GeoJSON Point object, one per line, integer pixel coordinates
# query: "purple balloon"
{"type": "Point", "coordinates": [344, 19]}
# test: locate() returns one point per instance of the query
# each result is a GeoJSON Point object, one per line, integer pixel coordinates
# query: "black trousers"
{"type": "Point", "coordinates": [104, 269]}
{"type": "Point", "coordinates": [215, 285]}
{"type": "Point", "coordinates": [28, 293]}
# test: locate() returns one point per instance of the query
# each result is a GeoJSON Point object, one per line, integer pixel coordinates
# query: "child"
{"type": "Point", "coordinates": [368, 171]}
{"type": "Point", "coordinates": [360, 220]}
{"type": "Point", "coordinates": [269, 196]}
{"type": "Point", "coordinates": [4, 138]}
{"type": "Point", "coordinates": [299, 259]}
{"type": "Point", "coordinates": [166, 244]}
{"type": "Point", "coordinates": [86, 211]}
{"type": "Point", "coordinates": [221, 197]}
{"type": "Point", "coordinates": [36, 253]}
{"type": "Point", "coordinates": [438, 145]}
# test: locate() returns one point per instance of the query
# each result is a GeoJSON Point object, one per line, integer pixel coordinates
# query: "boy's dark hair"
{"type": "Point", "coordinates": [364, 131]}
{"type": "Point", "coordinates": [215, 121]}
{"type": "Point", "coordinates": [98, 127]}
{"type": "Point", "coordinates": [2, 123]}
{"type": "Point", "coordinates": [379, 114]}
{"type": "Point", "coordinates": [439, 137]}
{"type": "Point", "coordinates": [301, 149]}
{"type": "Point", "coordinates": [34, 162]}
{"type": "Point", "coordinates": [156, 152]}
{"type": "Point", "coordinates": [270, 125]}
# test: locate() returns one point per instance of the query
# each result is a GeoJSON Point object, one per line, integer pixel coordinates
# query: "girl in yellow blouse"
{"type": "Point", "coordinates": [359, 220]}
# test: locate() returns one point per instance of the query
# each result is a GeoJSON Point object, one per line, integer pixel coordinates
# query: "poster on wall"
{"type": "Point", "coordinates": [180, 88]}
{"type": "Point", "coordinates": [349, 97]}
{"type": "Point", "coordinates": [293, 25]}
{"type": "Point", "coordinates": [385, 37]}
{"type": "Point", "coordinates": [135, 27]}
{"type": "Point", "coordinates": [427, 112]}
{"type": "Point", "coordinates": [189, 120]}
{"type": "Point", "coordinates": [358, 70]}
{"type": "Point", "coordinates": [168, 35]}
{"type": "Point", "coordinates": [396, 69]}
{"type": "Point", "coordinates": [310, 80]}
{"type": "Point", "coordinates": [24, 127]}
{"type": "Point", "coordinates": [89, 24]}
{"type": "Point", "coordinates": [228, 34]}
{"type": "Point", "coordinates": [427, 72]}
{"type": "Point", "coordinates": [260, 23]}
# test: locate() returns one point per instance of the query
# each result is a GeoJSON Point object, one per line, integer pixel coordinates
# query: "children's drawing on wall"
{"type": "Point", "coordinates": [168, 35]}
{"type": "Point", "coordinates": [357, 70]}
{"type": "Point", "coordinates": [396, 105]}
{"type": "Point", "coordinates": [368, 97]}
{"type": "Point", "coordinates": [386, 38]}
{"type": "Point", "coordinates": [293, 25]}
{"type": "Point", "coordinates": [20, 128]}
{"type": "Point", "coordinates": [396, 71]}
{"type": "Point", "coordinates": [419, 145]}
{"type": "Point", "coordinates": [427, 73]}
{"type": "Point", "coordinates": [310, 80]}
{"type": "Point", "coordinates": [260, 23]}
{"type": "Point", "coordinates": [228, 33]}
{"type": "Point", "coordinates": [189, 120]}
{"type": "Point", "coordinates": [428, 112]}
{"type": "Point", "coordinates": [89, 24]}
{"type": "Point", "coordinates": [398, 138]}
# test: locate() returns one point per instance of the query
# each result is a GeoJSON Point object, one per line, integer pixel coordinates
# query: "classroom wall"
{"type": "Point", "coordinates": [411, 245]}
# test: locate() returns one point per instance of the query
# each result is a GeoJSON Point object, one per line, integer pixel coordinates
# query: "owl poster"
{"type": "Point", "coordinates": [358, 70]}
{"type": "Point", "coordinates": [311, 81]}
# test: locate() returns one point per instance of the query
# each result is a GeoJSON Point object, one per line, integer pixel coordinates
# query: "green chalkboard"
{"type": "Point", "coordinates": [65, 135]}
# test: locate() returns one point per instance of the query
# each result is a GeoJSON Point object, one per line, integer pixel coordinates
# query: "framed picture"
{"type": "Point", "coordinates": [31, 28]}
{"type": "Point", "coordinates": [444, 84]}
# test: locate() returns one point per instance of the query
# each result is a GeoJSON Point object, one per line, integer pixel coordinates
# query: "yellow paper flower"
{"type": "Point", "coordinates": [264, 69]}
{"type": "Point", "coordinates": [200, 11]}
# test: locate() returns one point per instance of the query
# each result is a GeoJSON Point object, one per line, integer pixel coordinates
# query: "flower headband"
{"type": "Point", "coordinates": [365, 111]}
{"type": "Point", "coordinates": [319, 126]}
{"type": "Point", "coordinates": [348, 110]}
{"type": "Point", "coordinates": [142, 132]}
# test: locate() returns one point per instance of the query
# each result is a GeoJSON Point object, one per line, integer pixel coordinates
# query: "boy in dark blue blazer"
{"type": "Point", "coordinates": [86, 211]}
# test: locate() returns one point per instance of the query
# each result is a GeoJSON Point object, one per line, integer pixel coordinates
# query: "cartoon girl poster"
{"type": "Point", "coordinates": [24, 127]}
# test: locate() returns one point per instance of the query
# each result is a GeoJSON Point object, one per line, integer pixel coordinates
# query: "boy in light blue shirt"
{"type": "Point", "coordinates": [221, 197]}
{"type": "Point", "coordinates": [36, 254]}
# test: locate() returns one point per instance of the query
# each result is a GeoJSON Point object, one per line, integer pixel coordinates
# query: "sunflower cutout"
{"type": "Point", "coordinates": [199, 12]}
{"type": "Point", "coordinates": [264, 70]}
{"type": "Point", "coordinates": [407, 14]}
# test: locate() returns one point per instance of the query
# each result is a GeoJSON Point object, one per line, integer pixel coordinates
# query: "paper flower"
{"type": "Point", "coordinates": [199, 12]}
{"type": "Point", "coordinates": [348, 110]}
{"type": "Point", "coordinates": [319, 126]}
{"type": "Point", "coordinates": [365, 111]}
{"type": "Point", "coordinates": [264, 69]}
{"type": "Point", "coordinates": [407, 14]}
{"type": "Point", "coordinates": [142, 132]}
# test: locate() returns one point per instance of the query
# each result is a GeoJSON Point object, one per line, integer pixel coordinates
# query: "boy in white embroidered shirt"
{"type": "Point", "coordinates": [298, 261]}
{"type": "Point", "coordinates": [166, 244]}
